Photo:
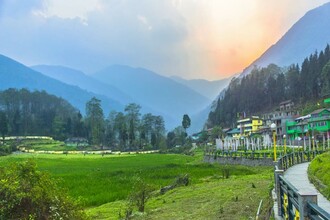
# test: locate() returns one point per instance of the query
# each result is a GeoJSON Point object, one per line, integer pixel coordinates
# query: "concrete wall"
{"type": "Point", "coordinates": [240, 161]}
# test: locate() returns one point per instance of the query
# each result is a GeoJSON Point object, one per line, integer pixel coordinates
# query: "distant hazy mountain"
{"type": "Point", "coordinates": [16, 75]}
{"type": "Point", "coordinates": [160, 93]}
{"type": "Point", "coordinates": [209, 89]}
{"type": "Point", "coordinates": [310, 33]}
{"type": "Point", "coordinates": [78, 78]}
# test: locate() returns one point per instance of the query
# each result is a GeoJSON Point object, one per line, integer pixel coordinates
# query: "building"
{"type": "Point", "coordinates": [319, 121]}
{"type": "Point", "coordinates": [280, 117]}
{"type": "Point", "coordinates": [297, 128]}
{"type": "Point", "coordinates": [316, 122]}
{"type": "Point", "coordinates": [286, 106]}
{"type": "Point", "coordinates": [250, 125]}
{"type": "Point", "coordinates": [234, 133]}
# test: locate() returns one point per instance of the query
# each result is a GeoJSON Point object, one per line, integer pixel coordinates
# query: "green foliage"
{"type": "Point", "coordinates": [95, 120]}
{"type": "Point", "coordinates": [36, 113]}
{"type": "Point", "coordinates": [263, 89]}
{"type": "Point", "coordinates": [3, 124]}
{"type": "Point", "coordinates": [318, 173]}
{"type": "Point", "coordinates": [325, 80]}
{"type": "Point", "coordinates": [131, 132]}
{"type": "Point", "coordinates": [30, 194]}
{"type": "Point", "coordinates": [141, 193]}
{"type": "Point", "coordinates": [186, 121]}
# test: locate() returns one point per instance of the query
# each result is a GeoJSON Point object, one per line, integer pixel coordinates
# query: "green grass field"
{"type": "Point", "coordinates": [103, 183]}
{"type": "Point", "coordinates": [318, 173]}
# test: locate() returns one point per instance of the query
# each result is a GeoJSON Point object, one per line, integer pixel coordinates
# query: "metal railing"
{"type": "Point", "coordinates": [293, 204]}
{"type": "Point", "coordinates": [240, 154]}
{"type": "Point", "coordinates": [291, 159]}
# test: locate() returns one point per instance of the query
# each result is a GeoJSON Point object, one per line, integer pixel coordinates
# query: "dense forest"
{"type": "Point", "coordinates": [264, 88]}
{"type": "Point", "coordinates": [25, 113]}
{"type": "Point", "coordinates": [36, 113]}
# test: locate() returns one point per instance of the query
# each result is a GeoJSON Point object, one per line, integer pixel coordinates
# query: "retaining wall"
{"type": "Point", "coordinates": [239, 160]}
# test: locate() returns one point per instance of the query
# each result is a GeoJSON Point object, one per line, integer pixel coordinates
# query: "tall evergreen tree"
{"type": "Point", "coordinates": [95, 119]}
{"type": "Point", "coordinates": [3, 125]}
{"type": "Point", "coordinates": [186, 122]}
{"type": "Point", "coordinates": [133, 118]}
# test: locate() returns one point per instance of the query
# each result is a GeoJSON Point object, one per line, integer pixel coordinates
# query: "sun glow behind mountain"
{"type": "Point", "coordinates": [192, 39]}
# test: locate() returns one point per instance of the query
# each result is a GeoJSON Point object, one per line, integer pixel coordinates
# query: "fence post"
{"type": "Point", "coordinates": [278, 173]}
{"type": "Point", "coordinates": [303, 198]}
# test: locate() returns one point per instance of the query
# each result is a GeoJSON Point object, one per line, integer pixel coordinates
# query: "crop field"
{"type": "Point", "coordinates": [102, 183]}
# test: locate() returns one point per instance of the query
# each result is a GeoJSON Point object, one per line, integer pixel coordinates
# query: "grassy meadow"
{"type": "Point", "coordinates": [102, 184]}
{"type": "Point", "coordinates": [318, 173]}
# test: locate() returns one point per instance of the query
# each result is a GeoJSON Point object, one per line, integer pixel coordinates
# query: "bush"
{"type": "Point", "coordinates": [141, 193]}
{"type": "Point", "coordinates": [26, 193]}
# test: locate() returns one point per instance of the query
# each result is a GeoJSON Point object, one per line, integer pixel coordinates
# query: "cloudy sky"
{"type": "Point", "coordinates": [209, 39]}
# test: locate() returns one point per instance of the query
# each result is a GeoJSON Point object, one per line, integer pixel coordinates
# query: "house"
{"type": "Point", "coordinates": [250, 125]}
{"type": "Point", "coordinates": [297, 127]}
{"type": "Point", "coordinates": [319, 121]}
{"type": "Point", "coordinates": [235, 133]}
{"type": "Point", "coordinates": [286, 105]}
{"type": "Point", "coordinates": [280, 117]}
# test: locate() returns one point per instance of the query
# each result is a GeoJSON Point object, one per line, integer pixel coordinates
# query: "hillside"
{"type": "Point", "coordinates": [263, 89]}
{"type": "Point", "coordinates": [209, 89]}
{"type": "Point", "coordinates": [309, 34]}
{"type": "Point", "coordinates": [160, 93]}
{"type": "Point", "coordinates": [15, 75]}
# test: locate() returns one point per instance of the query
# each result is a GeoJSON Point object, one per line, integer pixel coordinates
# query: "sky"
{"type": "Point", "coordinates": [206, 39]}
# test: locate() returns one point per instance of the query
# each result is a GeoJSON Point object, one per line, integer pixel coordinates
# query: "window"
{"type": "Point", "coordinates": [323, 123]}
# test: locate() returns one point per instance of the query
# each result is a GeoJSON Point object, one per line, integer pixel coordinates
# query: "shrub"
{"type": "Point", "coordinates": [26, 193]}
{"type": "Point", "coordinates": [141, 193]}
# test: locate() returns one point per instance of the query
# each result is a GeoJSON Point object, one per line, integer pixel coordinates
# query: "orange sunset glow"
{"type": "Point", "coordinates": [210, 39]}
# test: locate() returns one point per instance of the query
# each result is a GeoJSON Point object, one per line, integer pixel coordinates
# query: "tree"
{"type": "Point", "coordinates": [27, 193]}
{"type": "Point", "coordinates": [293, 82]}
{"type": "Point", "coordinates": [3, 125]}
{"type": "Point", "coordinates": [158, 129]}
{"type": "Point", "coordinates": [180, 135]}
{"type": "Point", "coordinates": [133, 114]}
{"type": "Point", "coordinates": [95, 119]}
{"type": "Point", "coordinates": [146, 127]}
{"type": "Point", "coordinates": [110, 136]}
{"type": "Point", "coordinates": [33, 113]}
{"type": "Point", "coordinates": [186, 122]}
{"type": "Point", "coordinates": [170, 140]}
{"type": "Point", "coordinates": [120, 127]}
{"type": "Point", "coordinates": [78, 126]}
{"type": "Point", "coordinates": [216, 132]}
{"type": "Point", "coordinates": [325, 79]}
{"type": "Point", "coordinates": [141, 193]}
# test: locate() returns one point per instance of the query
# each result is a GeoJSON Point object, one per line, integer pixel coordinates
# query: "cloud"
{"type": "Point", "coordinates": [194, 39]}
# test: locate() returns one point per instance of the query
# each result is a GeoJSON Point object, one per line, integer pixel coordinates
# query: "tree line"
{"type": "Point", "coordinates": [128, 130]}
{"type": "Point", "coordinates": [25, 113]}
{"type": "Point", "coordinates": [264, 88]}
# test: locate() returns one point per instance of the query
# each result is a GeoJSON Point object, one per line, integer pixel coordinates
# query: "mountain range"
{"type": "Point", "coordinates": [78, 78]}
{"type": "Point", "coordinates": [126, 84]}
{"type": "Point", "coordinates": [118, 85]}
{"type": "Point", "coordinates": [16, 75]}
{"type": "Point", "coordinates": [210, 89]}
{"type": "Point", "coordinates": [155, 91]}
{"type": "Point", "coordinates": [309, 34]}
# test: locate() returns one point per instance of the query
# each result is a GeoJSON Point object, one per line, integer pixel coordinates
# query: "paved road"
{"type": "Point", "coordinates": [297, 176]}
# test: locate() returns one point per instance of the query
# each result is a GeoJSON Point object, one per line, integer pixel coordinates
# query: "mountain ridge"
{"type": "Point", "coordinates": [14, 74]}
{"type": "Point", "coordinates": [159, 92]}
{"type": "Point", "coordinates": [309, 34]}
{"type": "Point", "coordinates": [207, 88]}
{"type": "Point", "coordinates": [84, 81]}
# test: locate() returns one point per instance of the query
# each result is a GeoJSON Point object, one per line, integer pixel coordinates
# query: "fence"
{"type": "Point", "coordinates": [293, 204]}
